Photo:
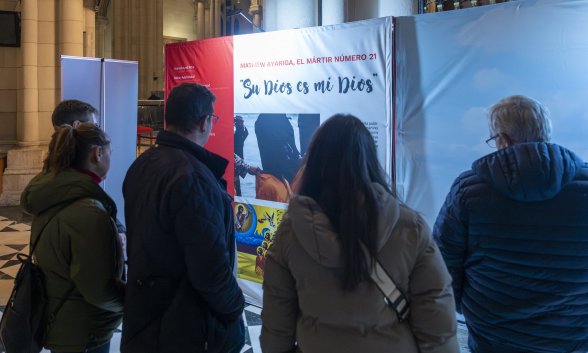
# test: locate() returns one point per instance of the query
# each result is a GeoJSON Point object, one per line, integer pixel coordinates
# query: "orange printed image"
{"type": "Point", "coordinates": [269, 149]}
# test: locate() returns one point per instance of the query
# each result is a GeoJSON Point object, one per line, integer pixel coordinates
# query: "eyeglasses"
{"type": "Point", "coordinates": [492, 141]}
{"type": "Point", "coordinates": [214, 118]}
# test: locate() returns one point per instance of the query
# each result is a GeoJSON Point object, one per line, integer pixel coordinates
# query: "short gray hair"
{"type": "Point", "coordinates": [522, 118]}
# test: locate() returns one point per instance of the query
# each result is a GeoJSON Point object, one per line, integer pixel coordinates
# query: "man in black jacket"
{"type": "Point", "coordinates": [182, 295]}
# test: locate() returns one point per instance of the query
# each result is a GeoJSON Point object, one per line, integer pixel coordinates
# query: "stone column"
{"type": "Point", "coordinates": [153, 48]}
{"type": "Point", "coordinates": [295, 14]}
{"type": "Point", "coordinates": [217, 18]}
{"type": "Point", "coordinates": [28, 92]}
{"type": "Point", "coordinates": [398, 8]}
{"type": "Point", "coordinates": [101, 24]}
{"type": "Point", "coordinates": [26, 160]}
{"type": "Point", "coordinates": [333, 12]}
{"type": "Point", "coordinates": [366, 9]}
{"type": "Point", "coordinates": [158, 47]}
{"type": "Point", "coordinates": [207, 20]}
{"type": "Point", "coordinates": [138, 36]}
{"type": "Point", "coordinates": [255, 12]}
{"type": "Point", "coordinates": [270, 15]}
{"type": "Point", "coordinates": [48, 66]}
{"type": "Point", "coordinates": [89, 32]}
{"type": "Point", "coordinates": [200, 22]}
{"type": "Point", "coordinates": [121, 31]}
{"type": "Point", "coordinates": [71, 27]}
{"type": "Point", "coordinates": [144, 51]}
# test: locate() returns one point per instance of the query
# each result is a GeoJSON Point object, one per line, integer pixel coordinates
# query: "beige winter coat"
{"type": "Point", "coordinates": [306, 310]}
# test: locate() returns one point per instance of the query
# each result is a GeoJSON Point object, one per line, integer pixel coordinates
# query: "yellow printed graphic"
{"type": "Point", "coordinates": [255, 228]}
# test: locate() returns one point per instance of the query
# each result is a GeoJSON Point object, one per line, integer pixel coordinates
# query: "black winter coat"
{"type": "Point", "coordinates": [181, 294]}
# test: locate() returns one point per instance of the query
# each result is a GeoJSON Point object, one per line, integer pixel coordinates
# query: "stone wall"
{"type": "Point", "coordinates": [49, 29]}
{"type": "Point", "coordinates": [9, 63]}
{"type": "Point", "coordinates": [179, 19]}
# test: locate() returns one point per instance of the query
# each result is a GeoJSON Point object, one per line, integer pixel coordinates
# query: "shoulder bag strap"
{"type": "Point", "coordinates": [33, 246]}
{"type": "Point", "coordinates": [392, 294]}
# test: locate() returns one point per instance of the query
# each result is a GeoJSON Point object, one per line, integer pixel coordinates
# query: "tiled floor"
{"type": "Point", "coordinates": [14, 238]}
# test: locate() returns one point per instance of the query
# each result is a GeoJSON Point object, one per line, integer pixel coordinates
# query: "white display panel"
{"type": "Point", "coordinates": [81, 79]}
{"type": "Point", "coordinates": [111, 86]}
{"type": "Point", "coordinates": [452, 66]}
{"type": "Point", "coordinates": [121, 82]}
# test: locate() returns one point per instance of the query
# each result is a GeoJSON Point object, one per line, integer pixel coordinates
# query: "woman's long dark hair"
{"type": "Point", "coordinates": [69, 146]}
{"type": "Point", "coordinates": [339, 171]}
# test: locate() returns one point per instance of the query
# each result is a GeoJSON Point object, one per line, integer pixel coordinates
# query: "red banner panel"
{"type": "Point", "coordinates": [208, 62]}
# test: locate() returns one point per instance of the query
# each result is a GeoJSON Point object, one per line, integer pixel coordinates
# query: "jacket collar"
{"type": "Point", "coordinates": [214, 162]}
{"type": "Point", "coordinates": [531, 171]}
{"type": "Point", "coordinates": [92, 175]}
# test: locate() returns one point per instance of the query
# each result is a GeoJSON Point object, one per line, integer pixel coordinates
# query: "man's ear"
{"type": "Point", "coordinates": [506, 139]}
{"type": "Point", "coordinates": [96, 154]}
{"type": "Point", "coordinates": [202, 124]}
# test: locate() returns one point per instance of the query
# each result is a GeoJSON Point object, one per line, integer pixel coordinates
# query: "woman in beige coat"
{"type": "Point", "coordinates": [318, 295]}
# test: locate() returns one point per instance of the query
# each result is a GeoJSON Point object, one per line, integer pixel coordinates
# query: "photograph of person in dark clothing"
{"type": "Point", "coordinates": [268, 151]}
{"type": "Point", "coordinates": [241, 167]}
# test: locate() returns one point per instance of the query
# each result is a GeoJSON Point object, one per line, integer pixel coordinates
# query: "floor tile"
{"type": "Point", "coordinates": [15, 238]}
{"type": "Point", "coordinates": [254, 332]}
{"type": "Point", "coordinates": [5, 290]}
{"type": "Point", "coordinates": [7, 257]}
{"type": "Point", "coordinates": [4, 224]}
{"type": "Point", "coordinates": [4, 276]}
{"type": "Point", "coordinates": [252, 319]}
{"type": "Point", "coordinates": [11, 271]}
{"type": "Point", "coordinates": [247, 349]}
{"type": "Point", "coordinates": [8, 264]}
{"type": "Point", "coordinates": [21, 227]}
{"type": "Point", "coordinates": [115, 343]}
{"type": "Point", "coordinates": [19, 247]}
{"type": "Point", "coordinates": [6, 250]}
{"type": "Point", "coordinates": [253, 309]}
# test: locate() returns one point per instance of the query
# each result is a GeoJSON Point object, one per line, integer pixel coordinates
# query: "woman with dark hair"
{"type": "Point", "coordinates": [75, 241]}
{"type": "Point", "coordinates": [318, 293]}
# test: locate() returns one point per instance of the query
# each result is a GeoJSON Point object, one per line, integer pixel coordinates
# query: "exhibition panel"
{"type": "Point", "coordinates": [111, 86]}
{"type": "Point", "coordinates": [273, 91]}
{"type": "Point", "coordinates": [452, 66]}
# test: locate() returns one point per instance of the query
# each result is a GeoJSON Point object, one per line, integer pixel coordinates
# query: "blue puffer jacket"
{"type": "Point", "coordinates": [514, 234]}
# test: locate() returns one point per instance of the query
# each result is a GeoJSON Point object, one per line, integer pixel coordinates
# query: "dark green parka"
{"type": "Point", "coordinates": [79, 247]}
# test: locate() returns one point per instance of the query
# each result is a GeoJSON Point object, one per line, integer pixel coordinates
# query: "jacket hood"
{"type": "Point", "coordinates": [48, 190]}
{"type": "Point", "coordinates": [316, 235]}
{"type": "Point", "coordinates": [529, 171]}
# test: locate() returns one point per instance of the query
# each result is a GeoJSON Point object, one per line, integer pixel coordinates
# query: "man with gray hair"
{"type": "Point", "coordinates": [514, 234]}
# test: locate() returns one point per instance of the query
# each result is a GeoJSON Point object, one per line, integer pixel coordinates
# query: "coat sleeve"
{"type": "Point", "coordinates": [280, 298]}
{"type": "Point", "coordinates": [432, 318]}
{"type": "Point", "coordinates": [199, 224]}
{"type": "Point", "coordinates": [450, 233]}
{"type": "Point", "coordinates": [96, 258]}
